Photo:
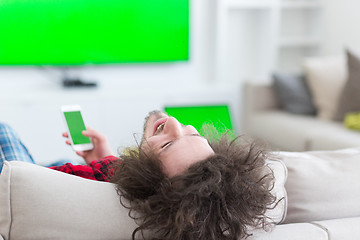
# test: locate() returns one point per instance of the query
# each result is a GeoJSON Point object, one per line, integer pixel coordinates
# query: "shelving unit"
{"type": "Point", "coordinates": [257, 37]}
{"type": "Point", "coordinates": [299, 41]}
{"type": "Point", "coordinates": [300, 4]}
{"type": "Point", "coordinates": [299, 33]}
{"type": "Point", "coordinates": [248, 4]}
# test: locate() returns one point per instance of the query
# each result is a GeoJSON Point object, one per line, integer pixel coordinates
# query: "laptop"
{"type": "Point", "coordinates": [218, 116]}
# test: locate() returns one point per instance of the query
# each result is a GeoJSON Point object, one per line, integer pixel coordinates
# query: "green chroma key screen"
{"type": "Point", "coordinates": [76, 125]}
{"type": "Point", "coordinates": [75, 32]}
{"type": "Point", "coordinates": [217, 115]}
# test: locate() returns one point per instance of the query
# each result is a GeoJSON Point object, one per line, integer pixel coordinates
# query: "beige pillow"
{"type": "Point", "coordinates": [350, 96]}
{"type": "Point", "coordinates": [40, 203]}
{"type": "Point", "coordinates": [322, 185]}
{"type": "Point", "coordinates": [326, 78]}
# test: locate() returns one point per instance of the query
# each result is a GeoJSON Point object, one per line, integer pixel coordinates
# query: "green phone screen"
{"type": "Point", "coordinates": [76, 125]}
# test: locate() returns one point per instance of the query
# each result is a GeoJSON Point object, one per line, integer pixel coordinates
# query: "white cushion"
{"type": "Point", "coordinates": [326, 77]}
{"type": "Point", "coordinates": [268, 124]}
{"type": "Point", "coordinates": [333, 135]}
{"type": "Point", "coordinates": [306, 132]}
{"type": "Point", "coordinates": [342, 229]}
{"type": "Point", "coordinates": [296, 231]}
{"type": "Point", "coordinates": [40, 203]}
{"type": "Point", "coordinates": [336, 229]}
{"type": "Point", "coordinates": [322, 185]}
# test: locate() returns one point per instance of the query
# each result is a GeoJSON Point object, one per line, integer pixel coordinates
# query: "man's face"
{"type": "Point", "coordinates": [177, 146]}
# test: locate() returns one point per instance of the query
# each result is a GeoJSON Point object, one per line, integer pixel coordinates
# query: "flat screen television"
{"type": "Point", "coordinates": [78, 32]}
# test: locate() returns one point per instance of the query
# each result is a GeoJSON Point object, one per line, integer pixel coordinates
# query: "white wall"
{"type": "Point", "coordinates": [341, 20]}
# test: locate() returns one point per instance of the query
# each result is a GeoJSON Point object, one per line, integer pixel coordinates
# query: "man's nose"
{"type": "Point", "coordinates": [173, 127]}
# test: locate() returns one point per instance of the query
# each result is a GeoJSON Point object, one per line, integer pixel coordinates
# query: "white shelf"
{"type": "Point", "coordinates": [263, 36]}
{"type": "Point", "coordinates": [300, 4]}
{"type": "Point", "coordinates": [285, 4]}
{"type": "Point", "coordinates": [245, 4]}
{"type": "Point", "coordinates": [299, 41]}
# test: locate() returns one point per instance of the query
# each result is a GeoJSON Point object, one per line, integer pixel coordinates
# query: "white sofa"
{"type": "Point", "coordinates": [264, 118]}
{"type": "Point", "coordinates": [322, 201]}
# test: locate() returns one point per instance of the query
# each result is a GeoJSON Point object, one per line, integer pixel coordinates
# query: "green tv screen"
{"type": "Point", "coordinates": [76, 32]}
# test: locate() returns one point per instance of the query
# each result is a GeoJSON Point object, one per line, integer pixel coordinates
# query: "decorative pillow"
{"type": "Point", "coordinates": [352, 120]}
{"type": "Point", "coordinates": [294, 94]}
{"type": "Point", "coordinates": [322, 185]}
{"type": "Point", "coordinates": [350, 96]}
{"type": "Point", "coordinates": [326, 78]}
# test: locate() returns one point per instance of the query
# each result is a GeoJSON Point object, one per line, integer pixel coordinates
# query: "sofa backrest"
{"type": "Point", "coordinates": [40, 203]}
{"type": "Point", "coordinates": [257, 97]}
{"type": "Point", "coordinates": [322, 185]}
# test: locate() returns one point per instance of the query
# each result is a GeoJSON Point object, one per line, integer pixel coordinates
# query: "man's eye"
{"type": "Point", "coordinates": [166, 145]}
{"type": "Point", "coordinates": [160, 128]}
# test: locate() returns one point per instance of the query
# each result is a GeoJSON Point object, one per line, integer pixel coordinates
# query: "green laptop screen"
{"type": "Point", "coordinates": [217, 115]}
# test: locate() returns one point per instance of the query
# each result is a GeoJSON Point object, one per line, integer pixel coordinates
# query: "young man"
{"type": "Point", "coordinates": [181, 185]}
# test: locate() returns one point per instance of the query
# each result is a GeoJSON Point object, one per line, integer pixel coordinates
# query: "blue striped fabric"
{"type": "Point", "coordinates": [11, 147]}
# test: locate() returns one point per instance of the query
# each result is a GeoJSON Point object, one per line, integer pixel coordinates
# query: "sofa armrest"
{"type": "Point", "coordinates": [258, 97]}
{"type": "Point", "coordinates": [41, 203]}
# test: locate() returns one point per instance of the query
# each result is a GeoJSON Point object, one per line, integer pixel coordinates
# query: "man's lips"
{"type": "Point", "coordinates": [158, 123]}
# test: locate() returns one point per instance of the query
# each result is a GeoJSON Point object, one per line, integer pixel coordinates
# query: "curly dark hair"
{"type": "Point", "coordinates": [221, 197]}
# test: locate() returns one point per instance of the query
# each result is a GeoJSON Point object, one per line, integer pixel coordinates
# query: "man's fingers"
{"type": "Point", "coordinates": [89, 132]}
{"type": "Point", "coordinates": [81, 154]}
{"type": "Point", "coordinates": [92, 133]}
{"type": "Point", "coordinates": [66, 135]}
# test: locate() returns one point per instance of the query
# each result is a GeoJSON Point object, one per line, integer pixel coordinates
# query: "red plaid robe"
{"type": "Point", "coordinates": [99, 170]}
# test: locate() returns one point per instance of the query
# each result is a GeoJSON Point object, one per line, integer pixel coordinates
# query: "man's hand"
{"type": "Point", "coordinates": [101, 146]}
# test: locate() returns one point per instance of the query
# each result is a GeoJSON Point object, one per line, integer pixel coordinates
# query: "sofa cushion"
{"type": "Point", "coordinates": [350, 97]}
{"type": "Point", "coordinates": [326, 78]}
{"type": "Point", "coordinates": [341, 229]}
{"type": "Point", "coordinates": [306, 132]}
{"type": "Point", "coordinates": [333, 135]}
{"type": "Point", "coordinates": [322, 185]}
{"type": "Point", "coordinates": [294, 94]}
{"type": "Point", "coordinates": [296, 231]}
{"type": "Point", "coordinates": [267, 125]}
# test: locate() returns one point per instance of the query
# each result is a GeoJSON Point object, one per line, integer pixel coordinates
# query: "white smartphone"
{"type": "Point", "coordinates": [75, 125]}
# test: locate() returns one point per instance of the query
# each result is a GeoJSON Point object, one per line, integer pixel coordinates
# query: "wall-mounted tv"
{"type": "Point", "coordinates": [77, 32]}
